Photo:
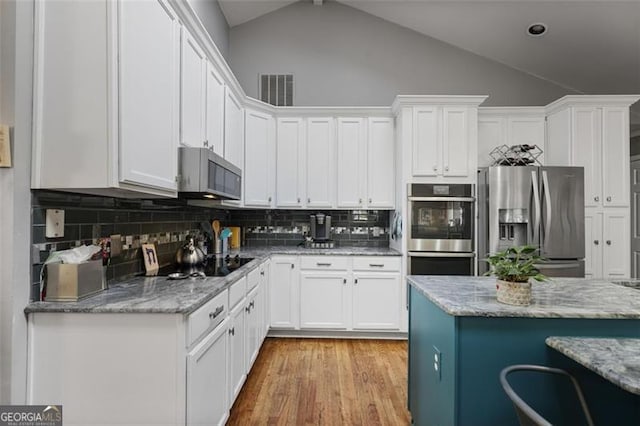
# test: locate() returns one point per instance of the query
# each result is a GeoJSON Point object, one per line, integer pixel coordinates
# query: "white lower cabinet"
{"type": "Point", "coordinates": [376, 301]}
{"type": "Point", "coordinates": [324, 300]}
{"type": "Point", "coordinates": [607, 238]}
{"type": "Point", "coordinates": [207, 402]}
{"type": "Point", "coordinates": [284, 305]}
{"type": "Point", "coordinates": [237, 365]}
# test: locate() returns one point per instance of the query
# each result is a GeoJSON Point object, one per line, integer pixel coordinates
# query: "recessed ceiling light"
{"type": "Point", "coordinates": [537, 29]}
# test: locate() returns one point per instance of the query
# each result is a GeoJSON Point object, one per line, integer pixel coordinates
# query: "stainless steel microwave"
{"type": "Point", "coordinates": [205, 175]}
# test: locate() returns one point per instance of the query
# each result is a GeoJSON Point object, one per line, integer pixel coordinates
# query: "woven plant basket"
{"type": "Point", "coordinates": [513, 293]}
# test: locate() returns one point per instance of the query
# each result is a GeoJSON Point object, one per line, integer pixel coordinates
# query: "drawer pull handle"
{"type": "Point", "coordinates": [247, 309]}
{"type": "Point", "coordinates": [376, 265]}
{"type": "Point", "coordinates": [252, 305]}
{"type": "Point", "coordinates": [232, 331]}
{"type": "Point", "coordinates": [217, 312]}
{"type": "Point", "coordinates": [323, 264]}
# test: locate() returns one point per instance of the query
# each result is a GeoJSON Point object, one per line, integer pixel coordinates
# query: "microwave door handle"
{"type": "Point", "coordinates": [536, 208]}
{"type": "Point", "coordinates": [547, 202]}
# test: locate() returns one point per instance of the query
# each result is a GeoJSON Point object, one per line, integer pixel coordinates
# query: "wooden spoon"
{"type": "Point", "coordinates": [216, 228]}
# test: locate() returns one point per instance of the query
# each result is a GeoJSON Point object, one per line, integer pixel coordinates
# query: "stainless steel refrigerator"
{"type": "Point", "coordinates": [539, 206]}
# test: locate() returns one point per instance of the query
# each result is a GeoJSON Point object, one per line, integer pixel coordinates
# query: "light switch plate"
{"type": "Point", "coordinates": [54, 224]}
{"type": "Point", "coordinates": [437, 363]}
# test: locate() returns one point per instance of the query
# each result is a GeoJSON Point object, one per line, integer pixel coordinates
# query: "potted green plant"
{"type": "Point", "coordinates": [514, 268]}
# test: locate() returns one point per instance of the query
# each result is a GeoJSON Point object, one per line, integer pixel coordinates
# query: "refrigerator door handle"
{"type": "Point", "coordinates": [536, 209]}
{"type": "Point", "coordinates": [547, 202]}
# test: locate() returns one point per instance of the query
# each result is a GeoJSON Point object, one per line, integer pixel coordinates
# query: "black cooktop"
{"type": "Point", "coordinates": [212, 267]}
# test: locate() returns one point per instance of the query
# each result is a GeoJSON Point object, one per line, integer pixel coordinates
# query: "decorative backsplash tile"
{"type": "Point", "coordinates": [167, 223]}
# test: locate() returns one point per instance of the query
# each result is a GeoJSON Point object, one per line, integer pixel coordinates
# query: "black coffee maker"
{"type": "Point", "coordinates": [320, 227]}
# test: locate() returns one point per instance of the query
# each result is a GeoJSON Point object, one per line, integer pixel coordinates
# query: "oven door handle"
{"type": "Point", "coordinates": [461, 199]}
{"type": "Point", "coordinates": [439, 254]}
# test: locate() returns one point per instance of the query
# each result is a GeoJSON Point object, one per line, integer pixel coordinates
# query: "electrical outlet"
{"type": "Point", "coordinates": [437, 363]}
{"type": "Point", "coordinates": [54, 224]}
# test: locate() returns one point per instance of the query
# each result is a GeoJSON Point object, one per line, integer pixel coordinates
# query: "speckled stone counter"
{"type": "Point", "coordinates": [161, 295]}
{"type": "Point", "coordinates": [558, 298]}
{"type": "Point", "coordinates": [615, 359]}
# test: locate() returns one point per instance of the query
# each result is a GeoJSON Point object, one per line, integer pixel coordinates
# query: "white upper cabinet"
{"type": "Point", "coordinates": [509, 126]}
{"type": "Point", "coordinates": [380, 163]}
{"type": "Point", "coordinates": [193, 92]}
{"type": "Point", "coordinates": [351, 172]}
{"type": "Point", "coordinates": [118, 118]}
{"type": "Point", "coordinates": [615, 156]}
{"type": "Point", "coordinates": [320, 164]}
{"type": "Point", "coordinates": [426, 146]}
{"type": "Point", "coordinates": [214, 121]}
{"type": "Point", "coordinates": [233, 129]}
{"type": "Point", "coordinates": [289, 162]}
{"type": "Point", "coordinates": [259, 170]}
{"type": "Point", "coordinates": [456, 143]}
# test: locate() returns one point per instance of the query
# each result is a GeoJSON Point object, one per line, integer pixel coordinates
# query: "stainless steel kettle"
{"type": "Point", "coordinates": [189, 254]}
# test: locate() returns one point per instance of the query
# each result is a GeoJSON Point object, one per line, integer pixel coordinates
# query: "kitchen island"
{"type": "Point", "coordinates": [460, 338]}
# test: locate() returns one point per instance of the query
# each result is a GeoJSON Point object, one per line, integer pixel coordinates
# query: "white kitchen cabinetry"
{"type": "Point", "coordinates": [290, 160]}
{"type": "Point", "coordinates": [380, 163]}
{"type": "Point", "coordinates": [122, 118]}
{"type": "Point", "coordinates": [254, 324]}
{"type": "Point", "coordinates": [237, 338]}
{"type": "Point", "coordinates": [320, 164]}
{"type": "Point", "coordinates": [233, 129]}
{"type": "Point", "coordinates": [207, 402]}
{"type": "Point", "coordinates": [444, 141]}
{"type": "Point", "coordinates": [324, 301]}
{"type": "Point", "coordinates": [509, 126]}
{"type": "Point", "coordinates": [259, 171]}
{"type": "Point", "coordinates": [607, 239]}
{"type": "Point", "coordinates": [351, 170]}
{"type": "Point", "coordinates": [193, 92]}
{"type": "Point", "coordinates": [376, 293]}
{"type": "Point", "coordinates": [284, 292]}
{"type": "Point", "coordinates": [265, 275]}
{"type": "Point", "coordinates": [214, 120]}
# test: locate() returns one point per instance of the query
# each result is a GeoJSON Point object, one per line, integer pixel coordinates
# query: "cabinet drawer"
{"type": "Point", "coordinates": [253, 278]}
{"type": "Point", "coordinates": [377, 263]}
{"type": "Point", "coordinates": [207, 317]}
{"type": "Point", "coordinates": [332, 263]}
{"type": "Point", "coordinates": [237, 291]}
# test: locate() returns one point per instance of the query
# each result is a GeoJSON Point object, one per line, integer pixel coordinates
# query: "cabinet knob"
{"type": "Point", "coordinates": [446, 168]}
{"type": "Point", "coordinates": [609, 199]}
{"type": "Point", "coordinates": [269, 199]}
{"type": "Point", "coordinates": [262, 273]}
{"type": "Point", "coordinates": [206, 144]}
{"type": "Point", "coordinates": [596, 242]}
{"type": "Point", "coordinates": [298, 200]}
{"type": "Point", "coordinates": [308, 200]}
{"type": "Point", "coordinates": [596, 199]}
{"type": "Point", "coordinates": [359, 200]}
{"type": "Point", "coordinates": [344, 281]}
{"type": "Point", "coordinates": [370, 201]}
{"type": "Point", "coordinates": [435, 168]}
{"type": "Point", "coordinates": [608, 242]}
{"type": "Point", "coordinates": [355, 281]}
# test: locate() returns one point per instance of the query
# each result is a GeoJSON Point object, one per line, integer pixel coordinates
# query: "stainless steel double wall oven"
{"type": "Point", "coordinates": [441, 229]}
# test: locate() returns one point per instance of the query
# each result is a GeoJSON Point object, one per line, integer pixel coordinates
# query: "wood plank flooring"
{"type": "Point", "coordinates": [325, 382]}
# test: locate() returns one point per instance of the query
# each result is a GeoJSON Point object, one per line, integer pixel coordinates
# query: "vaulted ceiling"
{"type": "Point", "coordinates": [591, 46]}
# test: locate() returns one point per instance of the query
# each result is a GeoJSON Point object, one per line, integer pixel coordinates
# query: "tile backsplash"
{"type": "Point", "coordinates": [166, 223]}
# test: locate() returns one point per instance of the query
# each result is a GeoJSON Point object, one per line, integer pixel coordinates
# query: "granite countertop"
{"type": "Point", "coordinates": [557, 298]}
{"type": "Point", "coordinates": [615, 359]}
{"type": "Point", "coordinates": [161, 295]}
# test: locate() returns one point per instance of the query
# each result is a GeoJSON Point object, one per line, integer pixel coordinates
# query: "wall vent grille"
{"type": "Point", "coordinates": [276, 89]}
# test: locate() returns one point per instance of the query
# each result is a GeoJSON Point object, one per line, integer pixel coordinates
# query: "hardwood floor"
{"type": "Point", "coordinates": [325, 382]}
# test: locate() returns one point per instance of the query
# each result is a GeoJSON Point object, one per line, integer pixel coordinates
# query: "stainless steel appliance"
{"type": "Point", "coordinates": [539, 206]}
{"type": "Point", "coordinates": [441, 229]}
{"type": "Point", "coordinates": [205, 175]}
{"type": "Point", "coordinates": [320, 227]}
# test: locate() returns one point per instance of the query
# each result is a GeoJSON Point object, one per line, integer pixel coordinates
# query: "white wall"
{"type": "Point", "coordinates": [214, 21]}
{"type": "Point", "coordinates": [342, 56]}
{"type": "Point", "coordinates": [16, 35]}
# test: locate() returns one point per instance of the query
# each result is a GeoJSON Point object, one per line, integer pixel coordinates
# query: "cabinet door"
{"type": "Point", "coordinates": [587, 145]}
{"type": "Point", "coordinates": [233, 130]}
{"type": "Point", "coordinates": [426, 152]}
{"type": "Point", "coordinates": [380, 164]}
{"type": "Point", "coordinates": [252, 337]}
{"type": "Point", "coordinates": [558, 150]}
{"type": "Point", "coordinates": [237, 365]}
{"type": "Point", "coordinates": [265, 276]}
{"type": "Point", "coordinates": [259, 167]}
{"type": "Point", "coordinates": [491, 134]}
{"type": "Point", "coordinates": [148, 93]}
{"type": "Point", "coordinates": [615, 156]}
{"type": "Point", "coordinates": [376, 301]}
{"type": "Point", "coordinates": [192, 93]}
{"type": "Point", "coordinates": [207, 379]}
{"type": "Point", "coordinates": [458, 151]}
{"type": "Point", "coordinates": [323, 300]}
{"type": "Point", "coordinates": [284, 292]}
{"type": "Point", "coordinates": [617, 246]}
{"type": "Point", "coordinates": [289, 160]}
{"type": "Point", "coordinates": [527, 131]}
{"type": "Point", "coordinates": [351, 163]}
{"type": "Point", "coordinates": [593, 244]}
{"type": "Point", "coordinates": [214, 122]}
{"type": "Point", "coordinates": [320, 164]}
